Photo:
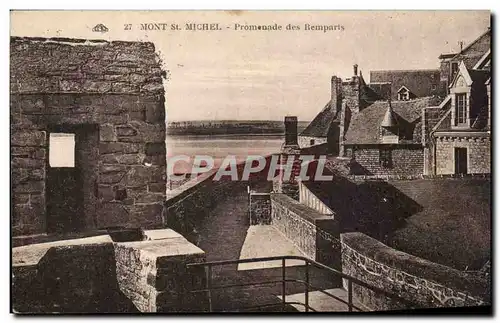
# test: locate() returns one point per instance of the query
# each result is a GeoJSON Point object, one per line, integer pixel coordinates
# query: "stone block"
{"type": "Point", "coordinates": [28, 138]}
{"type": "Point", "coordinates": [107, 133]}
{"type": "Point", "coordinates": [155, 149]}
{"type": "Point", "coordinates": [119, 147]}
{"type": "Point", "coordinates": [155, 112]}
{"type": "Point", "coordinates": [111, 177]}
{"type": "Point", "coordinates": [29, 187]}
{"type": "Point", "coordinates": [125, 131]}
{"type": "Point", "coordinates": [106, 192]}
{"type": "Point", "coordinates": [112, 214]}
{"type": "Point", "coordinates": [126, 159]}
{"type": "Point", "coordinates": [140, 175]}
{"type": "Point", "coordinates": [21, 198]}
{"type": "Point", "coordinates": [147, 216]}
{"type": "Point", "coordinates": [157, 187]}
{"type": "Point", "coordinates": [21, 162]}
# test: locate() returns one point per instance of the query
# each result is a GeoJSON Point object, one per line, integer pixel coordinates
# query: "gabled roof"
{"type": "Point", "coordinates": [404, 88]}
{"type": "Point", "coordinates": [364, 127]}
{"type": "Point", "coordinates": [471, 76]}
{"type": "Point", "coordinates": [320, 125]}
{"type": "Point", "coordinates": [462, 72]}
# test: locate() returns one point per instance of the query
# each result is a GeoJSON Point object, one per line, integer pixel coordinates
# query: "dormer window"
{"type": "Point", "coordinates": [460, 91]}
{"type": "Point", "coordinates": [404, 94]}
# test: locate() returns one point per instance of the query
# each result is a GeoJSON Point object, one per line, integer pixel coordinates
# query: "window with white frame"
{"type": "Point", "coordinates": [461, 108]}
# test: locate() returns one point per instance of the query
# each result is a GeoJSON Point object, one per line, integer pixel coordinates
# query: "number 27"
{"type": "Point", "coordinates": [128, 26]}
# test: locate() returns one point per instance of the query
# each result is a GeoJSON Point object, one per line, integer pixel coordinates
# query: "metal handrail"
{"type": "Point", "coordinates": [307, 262]}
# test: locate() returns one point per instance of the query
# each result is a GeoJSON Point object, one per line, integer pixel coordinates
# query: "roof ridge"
{"type": "Point", "coordinates": [473, 42]}
{"type": "Point", "coordinates": [409, 70]}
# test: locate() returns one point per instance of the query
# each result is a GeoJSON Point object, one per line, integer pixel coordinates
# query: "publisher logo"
{"type": "Point", "coordinates": [100, 28]}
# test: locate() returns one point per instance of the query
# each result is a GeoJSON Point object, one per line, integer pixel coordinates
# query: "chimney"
{"type": "Point", "coordinates": [336, 88]}
{"type": "Point", "coordinates": [355, 66]}
{"type": "Point", "coordinates": [291, 131]}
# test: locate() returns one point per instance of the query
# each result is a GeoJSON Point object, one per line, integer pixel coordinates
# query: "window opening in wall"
{"type": "Point", "coordinates": [62, 150]}
{"type": "Point", "coordinates": [454, 69]}
{"type": "Point", "coordinates": [385, 157]}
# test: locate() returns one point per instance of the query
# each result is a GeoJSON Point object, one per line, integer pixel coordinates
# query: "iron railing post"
{"type": "Point", "coordinates": [283, 285]}
{"type": "Point", "coordinates": [349, 294]}
{"type": "Point", "coordinates": [209, 287]}
{"type": "Point", "coordinates": [306, 292]}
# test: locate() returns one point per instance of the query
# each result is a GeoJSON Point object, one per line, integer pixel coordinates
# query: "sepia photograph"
{"type": "Point", "coordinates": [233, 161]}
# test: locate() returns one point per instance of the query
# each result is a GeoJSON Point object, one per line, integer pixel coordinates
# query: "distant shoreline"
{"type": "Point", "coordinates": [229, 127]}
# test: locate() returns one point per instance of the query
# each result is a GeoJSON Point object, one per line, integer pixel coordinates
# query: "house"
{"type": "Point", "coordinates": [457, 136]}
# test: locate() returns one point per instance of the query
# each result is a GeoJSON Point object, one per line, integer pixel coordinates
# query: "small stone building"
{"type": "Point", "coordinates": [385, 138]}
{"type": "Point", "coordinates": [105, 100]}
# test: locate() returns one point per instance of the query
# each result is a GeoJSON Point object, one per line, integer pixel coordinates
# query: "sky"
{"type": "Point", "coordinates": [265, 75]}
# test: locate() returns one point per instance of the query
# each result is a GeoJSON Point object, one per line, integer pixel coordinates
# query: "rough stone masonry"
{"type": "Point", "coordinates": [115, 87]}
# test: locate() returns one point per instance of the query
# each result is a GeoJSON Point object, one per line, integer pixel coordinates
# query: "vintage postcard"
{"type": "Point", "coordinates": [250, 161]}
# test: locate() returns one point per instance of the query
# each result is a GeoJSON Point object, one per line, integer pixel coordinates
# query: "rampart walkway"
{"type": "Point", "coordinates": [224, 234]}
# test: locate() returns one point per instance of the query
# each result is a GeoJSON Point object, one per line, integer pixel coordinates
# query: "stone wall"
{"type": "Point", "coordinates": [420, 282]}
{"type": "Point", "coordinates": [260, 208]}
{"type": "Point", "coordinates": [405, 161]}
{"type": "Point", "coordinates": [315, 234]}
{"type": "Point", "coordinates": [96, 275]}
{"type": "Point", "coordinates": [118, 87]}
{"type": "Point", "coordinates": [154, 276]}
{"type": "Point", "coordinates": [478, 153]}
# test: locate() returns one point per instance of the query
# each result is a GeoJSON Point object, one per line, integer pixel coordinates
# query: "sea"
{"type": "Point", "coordinates": [219, 146]}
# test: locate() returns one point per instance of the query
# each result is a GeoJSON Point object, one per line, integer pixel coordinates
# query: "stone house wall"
{"type": "Point", "coordinates": [115, 86]}
{"type": "Point", "coordinates": [405, 161]}
{"type": "Point", "coordinates": [478, 154]}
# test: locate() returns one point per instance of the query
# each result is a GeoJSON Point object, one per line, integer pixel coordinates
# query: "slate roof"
{"type": "Point", "coordinates": [364, 127]}
{"type": "Point", "coordinates": [320, 125]}
{"type": "Point", "coordinates": [419, 82]}
{"type": "Point", "coordinates": [473, 52]}
{"type": "Point", "coordinates": [383, 89]}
